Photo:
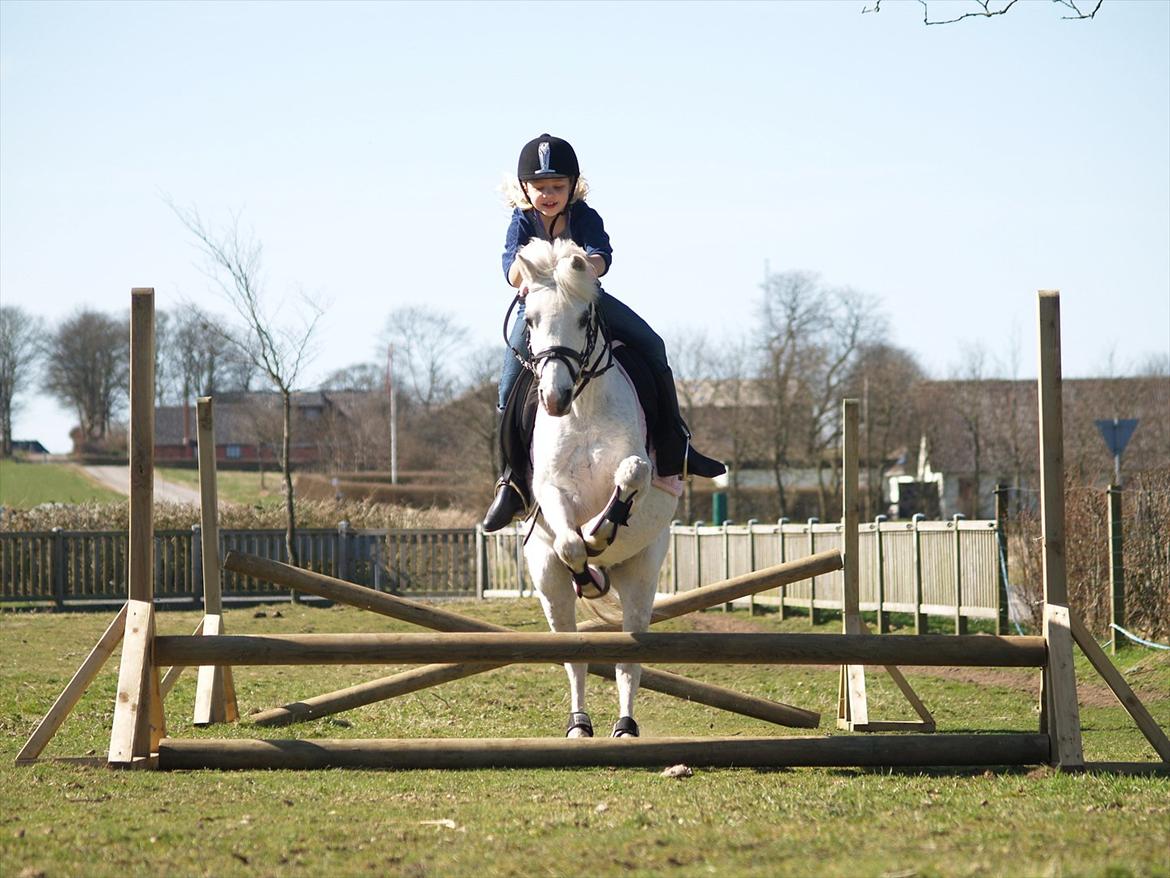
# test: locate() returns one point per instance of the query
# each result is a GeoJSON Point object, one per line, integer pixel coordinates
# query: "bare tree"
{"type": "Point", "coordinates": [365, 377]}
{"type": "Point", "coordinates": [21, 335]}
{"type": "Point", "coordinates": [992, 8]}
{"type": "Point", "coordinates": [968, 400]}
{"type": "Point", "coordinates": [883, 378]}
{"type": "Point", "coordinates": [810, 336]}
{"type": "Point", "coordinates": [691, 364]}
{"type": "Point", "coordinates": [428, 351]}
{"type": "Point", "coordinates": [87, 368]}
{"type": "Point", "coordinates": [734, 369]}
{"type": "Point", "coordinates": [277, 349]}
{"type": "Point", "coordinates": [790, 319]}
{"type": "Point", "coordinates": [197, 363]}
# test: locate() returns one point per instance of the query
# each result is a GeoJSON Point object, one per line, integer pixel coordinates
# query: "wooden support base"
{"type": "Point", "coordinates": [72, 693]}
{"type": "Point", "coordinates": [215, 691]}
{"type": "Point", "coordinates": [138, 715]}
{"type": "Point", "coordinates": [415, 753]}
{"type": "Point", "coordinates": [853, 705]}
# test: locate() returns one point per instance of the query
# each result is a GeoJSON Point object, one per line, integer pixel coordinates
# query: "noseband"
{"type": "Point", "coordinates": [577, 362]}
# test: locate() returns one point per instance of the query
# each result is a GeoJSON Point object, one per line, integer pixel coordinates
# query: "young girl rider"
{"type": "Point", "coordinates": [549, 203]}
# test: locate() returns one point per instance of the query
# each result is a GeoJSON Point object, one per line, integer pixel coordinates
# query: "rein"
{"type": "Point", "coordinates": [577, 362]}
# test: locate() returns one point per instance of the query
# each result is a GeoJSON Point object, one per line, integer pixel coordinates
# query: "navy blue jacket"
{"type": "Point", "coordinates": [585, 228]}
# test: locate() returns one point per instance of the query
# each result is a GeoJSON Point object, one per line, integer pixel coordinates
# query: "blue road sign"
{"type": "Point", "coordinates": [1117, 433]}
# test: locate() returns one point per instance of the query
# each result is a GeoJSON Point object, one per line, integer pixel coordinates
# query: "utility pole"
{"type": "Point", "coordinates": [393, 414]}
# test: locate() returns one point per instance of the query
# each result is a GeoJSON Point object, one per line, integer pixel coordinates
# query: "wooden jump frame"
{"type": "Point", "coordinates": [138, 736]}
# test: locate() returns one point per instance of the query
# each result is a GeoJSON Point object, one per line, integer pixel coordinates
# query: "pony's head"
{"type": "Point", "coordinates": [563, 326]}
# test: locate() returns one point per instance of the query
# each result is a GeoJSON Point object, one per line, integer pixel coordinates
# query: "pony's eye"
{"type": "Point", "coordinates": [583, 320]}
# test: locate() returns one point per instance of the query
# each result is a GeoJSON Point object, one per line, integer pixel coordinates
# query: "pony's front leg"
{"type": "Point", "coordinates": [631, 480]}
{"type": "Point", "coordinates": [567, 542]}
{"type": "Point", "coordinates": [636, 582]}
{"type": "Point", "coordinates": [559, 604]}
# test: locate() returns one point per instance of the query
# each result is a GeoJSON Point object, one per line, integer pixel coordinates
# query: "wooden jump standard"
{"type": "Point", "coordinates": [666, 607]}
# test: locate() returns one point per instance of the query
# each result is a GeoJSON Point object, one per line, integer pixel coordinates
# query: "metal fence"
{"type": "Point", "coordinates": [950, 568]}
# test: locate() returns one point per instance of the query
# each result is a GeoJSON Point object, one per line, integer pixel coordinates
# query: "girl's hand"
{"type": "Point", "coordinates": [523, 291]}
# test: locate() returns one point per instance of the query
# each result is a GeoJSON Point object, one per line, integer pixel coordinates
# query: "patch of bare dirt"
{"type": "Point", "coordinates": [725, 623]}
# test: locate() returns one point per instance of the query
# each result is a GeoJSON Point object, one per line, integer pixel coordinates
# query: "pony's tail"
{"type": "Point", "coordinates": [607, 608]}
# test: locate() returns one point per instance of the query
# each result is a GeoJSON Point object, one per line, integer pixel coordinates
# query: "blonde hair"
{"type": "Point", "coordinates": [515, 196]}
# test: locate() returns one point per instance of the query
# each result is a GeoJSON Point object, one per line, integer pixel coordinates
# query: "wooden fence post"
{"type": "Point", "coordinates": [698, 556]}
{"type": "Point", "coordinates": [1116, 567]}
{"type": "Point", "coordinates": [812, 582]}
{"type": "Point", "coordinates": [726, 540]}
{"type": "Point", "coordinates": [197, 596]}
{"type": "Point", "coordinates": [1002, 600]}
{"type": "Point", "coordinates": [919, 616]}
{"type": "Point", "coordinates": [343, 555]}
{"type": "Point", "coordinates": [58, 567]}
{"type": "Point", "coordinates": [883, 621]}
{"type": "Point", "coordinates": [960, 619]}
{"type": "Point", "coordinates": [751, 526]}
{"type": "Point", "coordinates": [480, 562]}
{"type": "Point", "coordinates": [783, 552]}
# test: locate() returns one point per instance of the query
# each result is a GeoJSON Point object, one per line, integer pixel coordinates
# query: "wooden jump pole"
{"type": "Point", "coordinates": [464, 753]}
{"type": "Point", "coordinates": [215, 691]}
{"type": "Point", "coordinates": [647, 647]}
{"type": "Point", "coordinates": [138, 720]}
{"type": "Point", "coordinates": [442, 620]}
{"type": "Point", "coordinates": [1060, 683]}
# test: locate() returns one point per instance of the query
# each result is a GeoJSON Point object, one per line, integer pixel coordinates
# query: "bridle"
{"type": "Point", "coordinates": [581, 370]}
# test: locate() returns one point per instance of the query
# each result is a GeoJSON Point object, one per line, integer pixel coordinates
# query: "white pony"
{"type": "Point", "coordinates": [591, 471]}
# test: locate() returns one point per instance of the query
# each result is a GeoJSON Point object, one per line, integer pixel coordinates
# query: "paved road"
{"type": "Point", "coordinates": [117, 478]}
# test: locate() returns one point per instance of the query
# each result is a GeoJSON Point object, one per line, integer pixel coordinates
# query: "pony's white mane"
{"type": "Point", "coordinates": [553, 265]}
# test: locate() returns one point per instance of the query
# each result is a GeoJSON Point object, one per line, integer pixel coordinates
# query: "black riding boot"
{"type": "Point", "coordinates": [508, 505]}
{"type": "Point", "coordinates": [672, 437]}
{"type": "Point", "coordinates": [513, 498]}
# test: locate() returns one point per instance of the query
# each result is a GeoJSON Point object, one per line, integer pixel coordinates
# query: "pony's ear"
{"type": "Point", "coordinates": [527, 271]}
{"type": "Point", "coordinates": [578, 262]}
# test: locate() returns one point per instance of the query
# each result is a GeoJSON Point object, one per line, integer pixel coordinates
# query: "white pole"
{"type": "Point", "coordinates": [393, 415]}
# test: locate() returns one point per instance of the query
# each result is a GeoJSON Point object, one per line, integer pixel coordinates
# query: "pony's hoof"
{"type": "Point", "coordinates": [580, 726]}
{"type": "Point", "coordinates": [625, 727]}
{"type": "Point", "coordinates": [591, 583]}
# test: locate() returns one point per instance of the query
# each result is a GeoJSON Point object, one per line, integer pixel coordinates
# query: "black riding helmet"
{"type": "Point", "coordinates": [545, 157]}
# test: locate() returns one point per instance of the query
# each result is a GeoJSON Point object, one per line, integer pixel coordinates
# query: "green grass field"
{"type": "Point", "coordinates": [62, 819]}
{"type": "Point", "coordinates": [23, 485]}
{"type": "Point", "coordinates": [234, 486]}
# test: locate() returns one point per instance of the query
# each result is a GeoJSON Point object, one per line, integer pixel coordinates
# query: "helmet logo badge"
{"type": "Point", "coordinates": [544, 151]}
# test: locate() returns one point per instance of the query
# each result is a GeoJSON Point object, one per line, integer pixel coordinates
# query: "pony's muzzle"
{"type": "Point", "coordinates": [558, 402]}
{"type": "Point", "coordinates": [556, 389]}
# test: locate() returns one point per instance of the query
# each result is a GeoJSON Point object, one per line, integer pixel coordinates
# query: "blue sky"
{"type": "Point", "coordinates": [950, 171]}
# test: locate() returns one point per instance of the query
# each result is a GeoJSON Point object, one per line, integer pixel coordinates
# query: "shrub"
{"type": "Point", "coordinates": [178, 516]}
{"type": "Point", "coordinates": [1146, 557]}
